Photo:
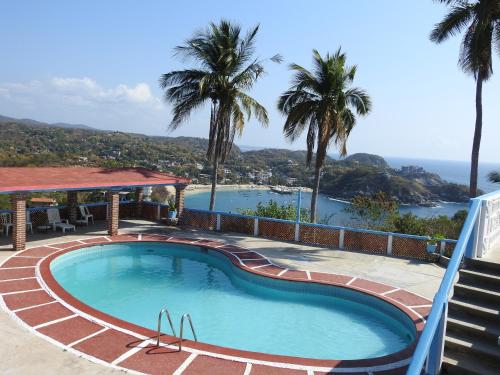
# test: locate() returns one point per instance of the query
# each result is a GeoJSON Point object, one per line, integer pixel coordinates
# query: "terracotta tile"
{"type": "Point", "coordinates": [250, 255]}
{"type": "Point", "coordinates": [233, 249]}
{"type": "Point", "coordinates": [212, 243]}
{"type": "Point", "coordinates": [96, 240]}
{"type": "Point", "coordinates": [22, 300]}
{"type": "Point", "coordinates": [182, 240]}
{"type": "Point", "coordinates": [214, 366]}
{"type": "Point", "coordinates": [39, 251]}
{"type": "Point", "coordinates": [407, 298]}
{"type": "Point", "coordinates": [21, 262]}
{"type": "Point", "coordinates": [371, 286]}
{"type": "Point", "coordinates": [44, 314]}
{"type": "Point", "coordinates": [270, 269]}
{"type": "Point", "coordinates": [70, 330]}
{"type": "Point", "coordinates": [330, 278]}
{"type": "Point", "coordinates": [295, 274]}
{"type": "Point", "coordinates": [108, 345]}
{"type": "Point", "coordinates": [268, 370]}
{"type": "Point", "coordinates": [18, 285]}
{"type": "Point", "coordinates": [16, 273]}
{"type": "Point", "coordinates": [153, 360]}
{"type": "Point", "coordinates": [67, 245]}
{"type": "Point", "coordinates": [254, 263]}
{"type": "Point", "coordinates": [123, 237]}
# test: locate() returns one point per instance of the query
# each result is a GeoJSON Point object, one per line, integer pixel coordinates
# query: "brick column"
{"type": "Point", "coordinates": [72, 198]}
{"type": "Point", "coordinates": [139, 197]}
{"type": "Point", "coordinates": [18, 202]}
{"type": "Point", "coordinates": [113, 212]}
{"type": "Point", "coordinates": [179, 199]}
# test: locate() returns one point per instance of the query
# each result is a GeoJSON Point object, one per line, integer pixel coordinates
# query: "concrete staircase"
{"type": "Point", "coordinates": [472, 343]}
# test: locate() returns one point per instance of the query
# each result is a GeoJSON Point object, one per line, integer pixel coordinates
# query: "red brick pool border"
{"type": "Point", "coordinates": [34, 298]}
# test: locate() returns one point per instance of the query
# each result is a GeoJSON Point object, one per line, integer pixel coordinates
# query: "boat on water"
{"type": "Point", "coordinates": [282, 189]}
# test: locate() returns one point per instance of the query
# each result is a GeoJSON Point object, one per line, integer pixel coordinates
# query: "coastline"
{"type": "Point", "coordinates": [199, 188]}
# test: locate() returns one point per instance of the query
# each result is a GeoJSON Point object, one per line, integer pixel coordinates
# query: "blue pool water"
{"type": "Point", "coordinates": [229, 306]}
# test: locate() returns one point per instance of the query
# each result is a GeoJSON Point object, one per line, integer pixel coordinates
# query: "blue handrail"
{"type": "Point", "coordinates": [433, 333]}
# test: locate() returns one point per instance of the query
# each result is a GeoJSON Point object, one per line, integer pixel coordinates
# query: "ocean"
{"type": "Point", "coordinates": [332, 210]}
{"type": "Point", "coordinates": [452, 171]}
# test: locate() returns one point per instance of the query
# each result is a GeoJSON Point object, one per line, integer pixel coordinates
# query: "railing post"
{"type": "Point", "coordinates": [442, 248]}
{"type": "Point", "coordinates": [256, 227]}
{"type": "Point", "coordinates": [341, 239]}
{"type": "Point", "coordinates": [158, 212]}
{"type": "Point", "coordinates": [389, 245]}
{"type": "Point", "coordinates": [297, 232]}
{"type": "Point", "coordinates": [472, 244]}
{"type": "Point", "coordinates": [217, 223]}
{"type": "Point", "coordinates": [435, 357]}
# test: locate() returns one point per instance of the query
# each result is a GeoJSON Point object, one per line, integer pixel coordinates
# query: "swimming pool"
{"type": "Point", "coordinates": [229, 306]}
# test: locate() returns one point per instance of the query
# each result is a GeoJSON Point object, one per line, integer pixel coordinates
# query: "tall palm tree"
{"type": "Point", "coordinates": [225, 71]}
{"type": "Point", "coordinates": [481, 21]}
{"type": "Point", "coordinates": [324, 101]}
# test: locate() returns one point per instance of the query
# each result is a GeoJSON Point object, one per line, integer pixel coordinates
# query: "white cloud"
{"type": "Point", "coordinates": [83, 100]}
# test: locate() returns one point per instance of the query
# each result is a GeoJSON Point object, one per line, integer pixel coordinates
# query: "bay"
{"type": "Point", "coordinates": [329, 210]}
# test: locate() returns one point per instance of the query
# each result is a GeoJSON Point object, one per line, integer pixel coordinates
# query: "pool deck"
{"type": "Point", "coordinates": [26, 353]}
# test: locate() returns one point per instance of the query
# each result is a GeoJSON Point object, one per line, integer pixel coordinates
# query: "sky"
{"type": "Point", "coordinates": [98, 63]}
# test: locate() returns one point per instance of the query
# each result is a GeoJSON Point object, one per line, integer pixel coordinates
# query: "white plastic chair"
{"type": "Point", "coordinates": [55, 221]}
{"type": "Point", "coordinates": [6, 222]}
{"type": "Point", "coordinates": [29, 224]}
{"type": "Point", "coordinates": [86, 215]}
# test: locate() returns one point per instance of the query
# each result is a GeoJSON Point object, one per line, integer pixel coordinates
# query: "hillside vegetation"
{"type": "Point", "coordinates": [24, 144]}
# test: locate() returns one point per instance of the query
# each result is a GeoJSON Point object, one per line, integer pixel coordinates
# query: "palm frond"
{"type": "Point", "coordinates": [453, 23]}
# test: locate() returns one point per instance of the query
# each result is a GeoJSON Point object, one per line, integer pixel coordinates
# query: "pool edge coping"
{"type": "Point", "coordinates": [379, 364]}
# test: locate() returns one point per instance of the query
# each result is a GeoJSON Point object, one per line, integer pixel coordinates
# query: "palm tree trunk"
{"type": "Point", "coordinates": [314, 198]}
{"type": "Point", "coordinates": [214, 183]}
{"type": "Point", "coordinates": [476, 143]}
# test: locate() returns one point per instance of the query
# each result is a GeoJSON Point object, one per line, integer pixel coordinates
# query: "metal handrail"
{"type": "Point", "coordinates": [182, 329]}
{"type": "Point", "coordinates": [165, 311]}
{"type": "Point", "coordinates": [430, 345]}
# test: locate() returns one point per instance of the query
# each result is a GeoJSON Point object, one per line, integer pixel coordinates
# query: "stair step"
{"type": "Point", "coordinates": [473, 293]}
{"type": "Point", "coordinates": [479, 279]}
{"type": "Point", "coordinates": [457, 363]}
{"type": "Point", "coordinates": [483, 266]}
{"type": "Point", "coordinates": [474, 327]}
{"type": "Point", "coordinates": [463, 343]}
{"type": "Point", "coordinates": [459, 306]}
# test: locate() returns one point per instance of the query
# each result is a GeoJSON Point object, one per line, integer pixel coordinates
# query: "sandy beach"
{"type": "Point", "coordinates": [201, 188]}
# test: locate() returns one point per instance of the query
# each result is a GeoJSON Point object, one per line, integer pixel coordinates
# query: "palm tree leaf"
{"type": "Point", "coordinates": [453, 22]}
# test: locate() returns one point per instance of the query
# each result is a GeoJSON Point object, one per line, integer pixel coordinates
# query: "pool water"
{"type": "Point", "coordinates": [231, 307]}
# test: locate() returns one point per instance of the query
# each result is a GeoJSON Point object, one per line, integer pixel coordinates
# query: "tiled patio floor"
{"type": "Point", "coordinates": [287, 255]}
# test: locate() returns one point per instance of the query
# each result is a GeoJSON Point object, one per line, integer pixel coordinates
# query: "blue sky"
{"type": "Point", "coordinates": [98, 63]}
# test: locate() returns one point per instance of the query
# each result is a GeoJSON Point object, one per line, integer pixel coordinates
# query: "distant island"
{"type": "Point", "coordinates": [32, 143]}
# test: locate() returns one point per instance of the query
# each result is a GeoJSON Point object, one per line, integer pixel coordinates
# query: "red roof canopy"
{"type": "Point", "coordinates": [32, 179]}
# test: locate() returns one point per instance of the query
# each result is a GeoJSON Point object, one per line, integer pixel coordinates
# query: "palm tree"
{"type": "Point", "coordinates": [324, 101]}
{"type": "Point", "coordinates": [494, 177]}
{"type": "Point", "coordinates": [226, 70]}
{"type": "Point", "coordinates": [481, 22]}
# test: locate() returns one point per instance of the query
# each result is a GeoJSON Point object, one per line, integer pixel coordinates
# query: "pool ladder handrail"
{"type": "Point", "coordinates": [182, 329]}
{"type": "Point", "coordinates": [165, 311]}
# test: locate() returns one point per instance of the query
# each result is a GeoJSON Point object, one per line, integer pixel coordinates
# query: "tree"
{"type": "Point", "coordinates": [226, 70]}
{"type": "Point", "coordinates": [480, 20]}
{"type": "Point", "coordinates": [494, 176]}
{"type": "Point", "coordinates": [324, 101]}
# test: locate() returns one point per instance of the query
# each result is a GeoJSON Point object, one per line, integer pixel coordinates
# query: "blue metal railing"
{"type": "Point", "coordinates": [429, 350]}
